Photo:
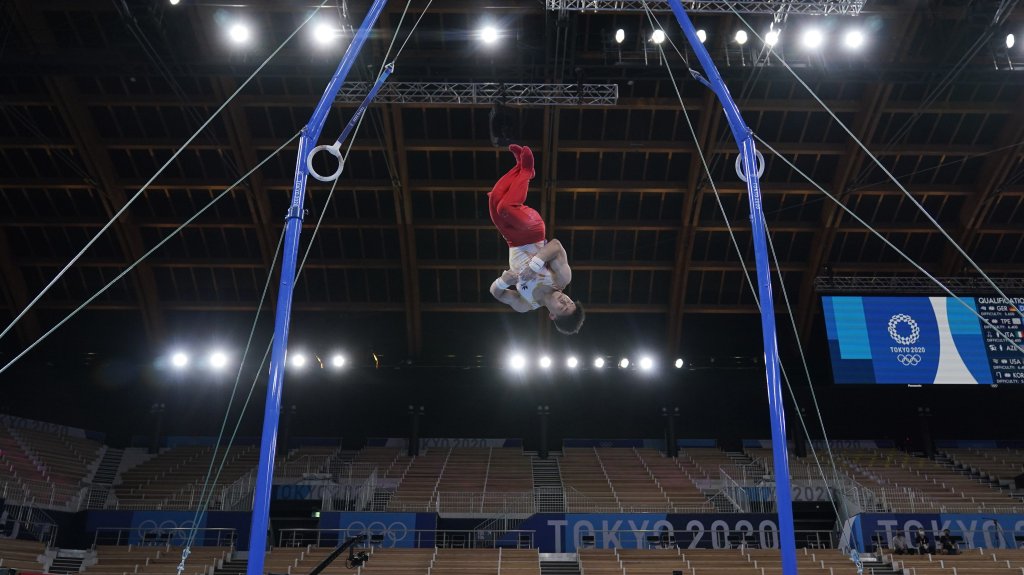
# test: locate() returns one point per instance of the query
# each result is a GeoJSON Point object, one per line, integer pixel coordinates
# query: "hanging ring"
{"type": "Point", "coordinates": [760, 166]}
{"type": "Point", "coordinates": [332, 149]}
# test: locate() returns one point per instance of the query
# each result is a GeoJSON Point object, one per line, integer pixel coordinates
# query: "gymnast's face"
{"type": "Point", "coordinates": [560, 304]}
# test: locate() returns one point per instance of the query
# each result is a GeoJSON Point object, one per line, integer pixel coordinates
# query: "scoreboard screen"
{"type": "Point", "coordinates": [925, 340]}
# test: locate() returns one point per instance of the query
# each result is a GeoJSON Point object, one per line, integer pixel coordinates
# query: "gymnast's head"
{"type": "Point", "coordinates": [567, 314]}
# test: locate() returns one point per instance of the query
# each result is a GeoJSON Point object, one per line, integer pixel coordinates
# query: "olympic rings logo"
{"type": "Point", "coordinates": [915, 330]}
{"type": "Point", "coordinates": [167, 531]}
{"type": "Point", "coordinates": [908, 359]}
{"type": "Point", "coordinates": [392, 533]}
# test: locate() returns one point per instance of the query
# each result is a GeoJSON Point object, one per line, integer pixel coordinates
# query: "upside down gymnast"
{"type": "Point", "coordinates": [538, 269]}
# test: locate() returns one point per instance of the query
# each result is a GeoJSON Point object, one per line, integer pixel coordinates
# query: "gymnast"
{"type": "Point", "coordinates": [538, 269]}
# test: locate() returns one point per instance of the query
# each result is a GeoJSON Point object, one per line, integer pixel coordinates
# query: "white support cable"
{"type": "Point", "coordinates": [750, 283]}
{"type": "Point", "coordinates": [885, 240]}
{"type": "Point", "coordinates": [145, 186]}
{"type": "Point", "coordinates": [885, 170]}
{"type": "Point", "coordinates": [143, 257]}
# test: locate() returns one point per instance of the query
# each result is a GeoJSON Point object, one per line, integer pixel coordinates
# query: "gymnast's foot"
{"type": "Point", "coordinates": [516, 150]}
{"type": "Point", "coordinates": [525, 158]}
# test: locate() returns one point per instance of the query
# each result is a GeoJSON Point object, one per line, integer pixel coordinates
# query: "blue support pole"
{"type": "Point", "coordinates": [293, 226]}
{"type": "Point", "coordinates": [750, 167]}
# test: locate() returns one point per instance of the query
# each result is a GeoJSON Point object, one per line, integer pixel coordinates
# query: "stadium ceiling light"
{"type": "Point", "coordinates": [624, 362]}
{"type": "Point", "coordinates": [298, 361]}
{"type": "Point", "coordinates": [179, 359]}
{"type": "Point", "coordinates": [702, 35]}
{"type": "Point", "coordinates": [741, 37]}
{"type": "Point", "coordinates": [599, 362]}
{"type": "Point", "coordinates": [646, 363]}
{"type": "Point", "coordinates": [853, 39]}
{"type": "Point", "coordinates": [813, 38]}
{"type": "Point", "coordinates": [620, 35]}
{"type": "Point", "coordinates": [772, 37]}
{"type": "Point", "coordinates": [658, 36]}
{"type": "Point", "coordinates": [218, 360]}
{"type": "Point", "coordinates": [545, 362]}
{"type": "Point", "coordinates": [338, 361]}
{"type": "Point", "coordinates": [1010, 41]}
{"type": "Point", "coordinates": [324, 34]}
{"type": "Point", "coordinates": [679, 363]}
{"type": "Point", "coordinates": [239, 33]}
{"type": "Point", "coordinates": [572, 362]}
{"type": "Point", "coordinates": [175, 2]}
{"type": "Point", "coordinates": [517, 362]}
{"type": "Point", "coordinates": [489, 34]}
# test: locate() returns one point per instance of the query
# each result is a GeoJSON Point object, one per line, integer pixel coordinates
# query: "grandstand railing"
{"type": "Point", "coordinates": [20, 519]}
{"type": "Point", "coordinates": [420, 538]}
{"type": "Point", "coordinates": [157, 536]}
{"type": "Point", "coordinates": [53, 496]}
{"type": "Point", "coordinates": [995, 537]}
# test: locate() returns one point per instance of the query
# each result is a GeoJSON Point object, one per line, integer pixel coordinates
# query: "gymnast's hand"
{"type": "Point", "coordinates": [526, 274]}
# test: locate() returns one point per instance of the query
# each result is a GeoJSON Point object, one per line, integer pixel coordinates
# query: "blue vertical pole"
{"type": "Point", "coordinates": [742, 134]}
{"type": "Point", "coordinates": [293, 226]}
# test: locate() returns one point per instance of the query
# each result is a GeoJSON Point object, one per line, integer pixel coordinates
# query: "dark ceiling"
{"type": "Point", "coordinates": [97, 95]}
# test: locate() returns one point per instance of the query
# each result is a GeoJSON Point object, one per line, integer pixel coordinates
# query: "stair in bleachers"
{"type": "Point", "coordinates": [65, 565]}
{"type": "Point", "coordinates": [233, 567]}
{"type": "Point", "coordinates": [547, 484]}
{"type": "Point", "coordinates": [103, 478]}
{"type": "Point", "coordinates": [559, 567]}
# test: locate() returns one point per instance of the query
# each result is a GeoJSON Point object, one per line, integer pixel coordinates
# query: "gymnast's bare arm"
{"type": "Point", "coordinates": [511, 298]}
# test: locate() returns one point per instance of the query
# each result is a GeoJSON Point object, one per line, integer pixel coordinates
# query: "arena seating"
{"type": "Point", "coordinates": [174, 478]}
{"type": "Point", "coordinates": [1000, 465]}
{"type": "Point", "coordinates": [909, 483]}
{"type": "Point", "coordinates": [709, 562]}
{"type": "Point", "coordinates": [973, 562]}
{"type": "Point", "coordinates": [708, 462]}
{"type": "Point", "coordinates": [463, 479]}
{"type": "Point", "coordinates": [675, 482]}
{"type": "Point", "coordinates": [21, 555]}
{"type": "Point", "coordinates": [634, 486]}
{"type": "Point", "coordinates": [509, 473]}
{"type": "Point", "coordinates": [416, 491]}
{"type": "Point", "coordinates": [390, 462]}
{"type": "Point", "coordinates": [587, 486]}
{"type": "Point", "coordinates": [159, 560]}
{"type": "Point", "coordinates": [396, 562]}
{"type": "Point", "coordinates": [48, 469]}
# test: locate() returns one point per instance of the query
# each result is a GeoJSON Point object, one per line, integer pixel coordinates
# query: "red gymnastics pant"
{"type": "Point", "coordinates": [519, 224]}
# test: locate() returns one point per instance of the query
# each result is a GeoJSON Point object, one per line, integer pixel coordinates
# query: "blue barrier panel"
{"type": "Point", "coordinates": [977, 530]}
{"type": "Point", "coordinates": [398, 529]}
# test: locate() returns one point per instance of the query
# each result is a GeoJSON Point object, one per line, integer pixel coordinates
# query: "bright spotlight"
{"type": "Point", "coordinates": [702, 35]}
{"type": "Point", "coordinates": [179, 359]}
{"type": "Point", "coordinates": [338, 361]}
{"type": "Point", "coordinates": [620, 35]}
{"type": "Point", "coordinates": [1010, 41]}
{"type": "Point", "coordinates": [298, 361]}
{"type": "Point", "coordinates": [572, 362]}
{"type": "Point", "coordinates": [772, 37]}
{"type": "Point", "coordinates": [813, 38]}
{"type": "Point", "coordinates": [324, 33]}
{"type": "Point", "coordinates": [218, 360]}
{"type": "Point", "coordinates": [175, 2]}
{"type": "Point", "coordinates": [599, 362]}
{"type": "Point", "coordinates": [545, 362]}
{"type": "Point", "coordinates": [239, 33]}
{"type": "Point", "coordinates": [658, 36]}
{"type": "Point", "coordinates": [679, 363]}
{"type": "Point", "coordinates": [624, 363]}
{"type": "Point", "coordinates": [517, 362]}
{"type": "Point", "coordinates": [646, 363]}
{"type": "Point", "coordinates": [489, 35]}
{"type": "Point", "coordinates": [741, 37]}
{"type": "Point", "coordinates": [854, 39]}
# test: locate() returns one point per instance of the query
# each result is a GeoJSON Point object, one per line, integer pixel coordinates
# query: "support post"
{"type": "Point", "coordinates": [749, 155]}
{"type": "Point", "coordinates": [293, 227]}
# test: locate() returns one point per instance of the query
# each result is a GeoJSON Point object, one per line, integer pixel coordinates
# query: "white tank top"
{"type": "Point", "coordinates": [518, 258]}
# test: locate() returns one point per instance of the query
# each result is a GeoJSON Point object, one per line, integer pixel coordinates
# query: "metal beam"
{"type": "Point", "coordinates": [916, 285]}
{"type": "Point", "coordinates": [808, 7]}
{"type": "Point", "coordinates": [483, 94]}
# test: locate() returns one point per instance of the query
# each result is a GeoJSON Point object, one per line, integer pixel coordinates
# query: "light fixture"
{"type": "Point", "coordinates": [175, 2]}
{"type": "Point", "coordinates": [646, 363]}
{"type": "Point", "coordinates": [679, 363]}
{"type": "Point", "coordinates": [599, 362]}
{"type": "Point", "coordinates": [572, 362]}
{"type": "Point", "coordinates": [545, 362]}
{"type": "Point", "coordinates": [813, 38]}
{"type": "Point", "coordinates": [338, 361]}
{"type": "Point", "coordinates": [772, 37]}
{"type": "Point", "coordinates": [658, 36]}
{"type": "Point", "coordinates": [298, 361]}
{"type": "Point", "coordinates": [324, 33]}
{"type": "Point", "coordinates": [624, 363]}
{"type": "Point", "coordinates": [489, 34]}
{"type": "Point", "coordinates": [741, 37]}
{"type": "Point", "coordinates": [517, 362]}
{"type": "Point", "coordinates": [1010, 41]}
{"type": "Point", "coordinates": [179, 359]}
{"type": "Point", "coordinates": [239, 33]}
{"type": "Point", "coordinates": [218, 360]}
{"type": "Point", "coordinates": [620, 35]}
{"type": "Point", "coordinates": [702, 35]}
{"type": "Point", "coordinates": [853, 39]}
